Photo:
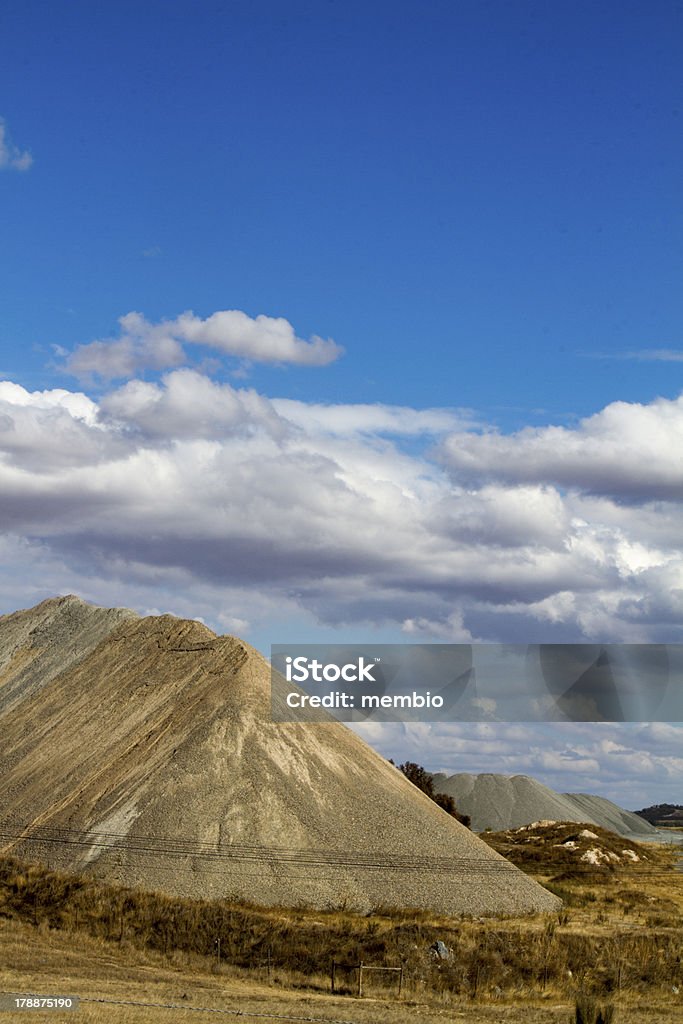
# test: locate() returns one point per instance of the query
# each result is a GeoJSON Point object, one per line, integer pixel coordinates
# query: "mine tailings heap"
{"type": "Point", "coordinates": [501, 802]}
{"type": "Point", "coordinates": [142, 751]}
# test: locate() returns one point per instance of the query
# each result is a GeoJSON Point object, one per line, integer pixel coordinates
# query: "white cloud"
{"type": "Point", "coordinates": [486, 705]}
{"type": "Point", "coordinates": [42, 432]}
{"type": "Point", "coordinates": [188, 479]}
{"type": "Point", "coordinates": [189, 405]}
{"type": "Point", "coordinates": [263, 339]}
{"type": "Point", "coordinates": [629, 451]}
{"type": "Point", "coordinates": [141, 346]}
{"type": "Point", "coordinates": [144, 345]}
{"type": "Point", "coordinates": [378, 419]}
{"type": "Point", "coordinates": [563, 761]}
{"type": "Point", "coordinates": [451, 630]}
{"type": "Point", "coordinates": [12, 158]}
{"type": "Point", "coordinates": [77, 404]}
{"type": "Point", "coordinates": [657, 355]}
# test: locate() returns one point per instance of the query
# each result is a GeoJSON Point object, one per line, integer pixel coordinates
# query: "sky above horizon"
{"type": "Point", "coordinates": [353, 323]}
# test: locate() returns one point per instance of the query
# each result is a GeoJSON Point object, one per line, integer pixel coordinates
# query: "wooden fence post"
{"type": "Point", "coordinates": [360, 967]}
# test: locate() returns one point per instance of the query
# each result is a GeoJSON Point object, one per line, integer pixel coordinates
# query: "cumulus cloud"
{"type": "Point", "coordinates": [451, 630]}
{"type": "Point", "coordinates": [186, 404]}
{"type": "Point", "coordinates": [143, 345]}
{"type": "Point", "coordinates": [563, 761]}
{"type": "Point", "coordinates": [42, 432]}
{"type": "Point", "coordinates": [12, 158]}
{"type": "Point", "coordinates": [263, 339]}
{"type": "Point", "coordinates": [322, 508]}
{"type": "Point", "coordinates": [76, 403]}
{"type": "Point", "coordinates": [628, 451]}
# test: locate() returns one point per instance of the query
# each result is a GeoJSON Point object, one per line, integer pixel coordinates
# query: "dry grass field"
{"type": "Point", "coordinates": [45, 961]}
{"type": "Point", "coordinates": [618, 936]}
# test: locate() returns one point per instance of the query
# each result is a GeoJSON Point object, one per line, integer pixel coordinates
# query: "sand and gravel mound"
{"type": "Point", "coordinates": [500, 802]}
{"type": "Point", "coordinates": [151, 759]}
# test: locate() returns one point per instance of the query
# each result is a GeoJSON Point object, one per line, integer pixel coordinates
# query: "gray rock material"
{"type": "Point", "coordinates": [501, 802]}
{"type": "Point", "coordinates": [610, 815]}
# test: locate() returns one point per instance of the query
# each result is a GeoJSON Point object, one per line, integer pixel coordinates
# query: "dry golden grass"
{"type": "Point", "coordinates": [38, 959]}
{"type": "Point", "coordinates": [620, 937]}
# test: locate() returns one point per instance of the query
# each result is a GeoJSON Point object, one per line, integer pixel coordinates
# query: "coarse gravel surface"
{"type": "Point", "coordinates": [152, 760]}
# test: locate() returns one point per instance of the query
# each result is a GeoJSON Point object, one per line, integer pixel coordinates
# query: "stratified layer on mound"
{"type": "Point", "coordinates": [152, 760]}
{"type": "Point", "coordinates": [39, 643]}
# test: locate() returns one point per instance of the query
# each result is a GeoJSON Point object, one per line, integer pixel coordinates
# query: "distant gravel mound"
{"type": "Point", "coordinates": [610, 816]}
{"type": "Point", "coordinates": [501, 802]}
{"type": "Point", "coordinates": [151, 759]}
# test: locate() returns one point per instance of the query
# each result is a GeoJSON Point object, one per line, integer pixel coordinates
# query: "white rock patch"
{"type": "Point", "coordinates": [119, 822]}
{"type": "Point", "coordinates": [631, 854]}
{"type": "Point", "coordinates": [593, 856]}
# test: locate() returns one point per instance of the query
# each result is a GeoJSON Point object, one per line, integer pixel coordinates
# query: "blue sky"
{"type": "Point", "coordinates": [488, 190]}
{"type": "Point", "coordinates": [444, 403]}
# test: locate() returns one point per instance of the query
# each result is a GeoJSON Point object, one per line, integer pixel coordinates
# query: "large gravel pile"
{"type": "Point", "coordinates": [152, 760]}
{"type": "Point", "coordinates": [502, 802]}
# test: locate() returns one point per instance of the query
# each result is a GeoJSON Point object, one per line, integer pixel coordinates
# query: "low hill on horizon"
{"type": "Point", "coordinates": [662, 814]}
{"type": "Point", "coordinates": [142, 751]}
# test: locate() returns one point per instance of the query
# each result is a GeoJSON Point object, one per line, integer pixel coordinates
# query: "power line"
{"type": "Point", "coordinates": [275, 857]}
{"type": "Point", "coordinates": [179, 847]}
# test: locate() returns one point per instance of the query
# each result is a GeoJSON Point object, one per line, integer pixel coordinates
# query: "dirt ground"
{"type": "Point", "coordinates": [51, 963]}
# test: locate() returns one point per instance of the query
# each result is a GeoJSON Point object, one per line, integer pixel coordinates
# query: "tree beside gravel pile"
{"type": "Point", "coordinates": [421, 778]}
